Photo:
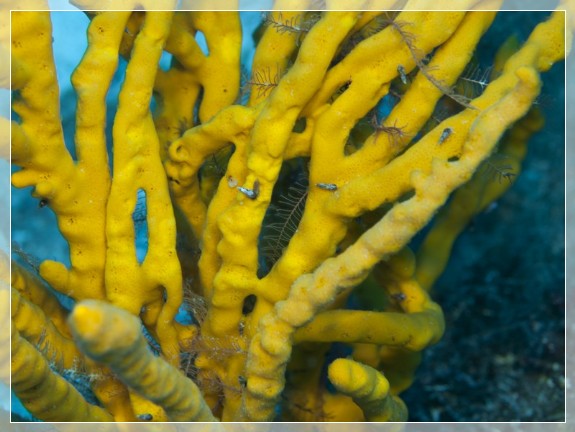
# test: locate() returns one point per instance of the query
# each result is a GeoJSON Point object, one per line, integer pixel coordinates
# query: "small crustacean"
{"type": "Point", "coordinates": [241, 328]}
{"type": "Point", "coordinates": [145, 417]}
{"type": "Point", "coordinates": [445, 134]}
{"type": "Point", "coordinates": [399, 296]}
{"type": "Point", "coordinates": [243, 381]}
{"type": "Point", "coordinates": [327, 186]}
{"type": "Point", "coordinates": [251, 193]}
{"type": "Point", "coordinates": [402, 74]}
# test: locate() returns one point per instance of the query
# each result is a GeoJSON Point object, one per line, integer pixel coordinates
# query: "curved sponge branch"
{"type": "Point", "coordinates": [45, 393]}
{"type": "Point", "coordinates": [368, 388]}
{"type": "Point", "coordinates": [112, 336]}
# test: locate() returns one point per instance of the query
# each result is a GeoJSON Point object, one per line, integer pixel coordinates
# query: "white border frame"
{"type": "Point", "coordinates": [511, 5]}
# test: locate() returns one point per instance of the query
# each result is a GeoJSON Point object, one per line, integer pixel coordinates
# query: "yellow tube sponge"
{"type": "Point", "coordinates": [32, 288]}
{"type": "Point", "coordinates": [271, 347]}
{"type": "Point", "coordinates": [490, 181]}
{"type": "Point", "coordinates": [216, 75]}
{"type": "Point", "coordinates": [141, 288]}
{"type": "Point", "coordinates": [112, 336]}
{"type": "Point", "coordinates": [43, 392]}
{"type": "Point", "coordinates": [369, 389]}
{"type": "Point", "coordinates": [238, 251]}
{"type": "Point", "coordinates": [37, 329]}
{"type": "Point", "coordinates": [413, 331]}
{"type": "Point", "coordinates": [388, 183]}
{"type": "Point", "coordinates": [75, 190]}
{"type": "Point", "coordinates": [329, 165]}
